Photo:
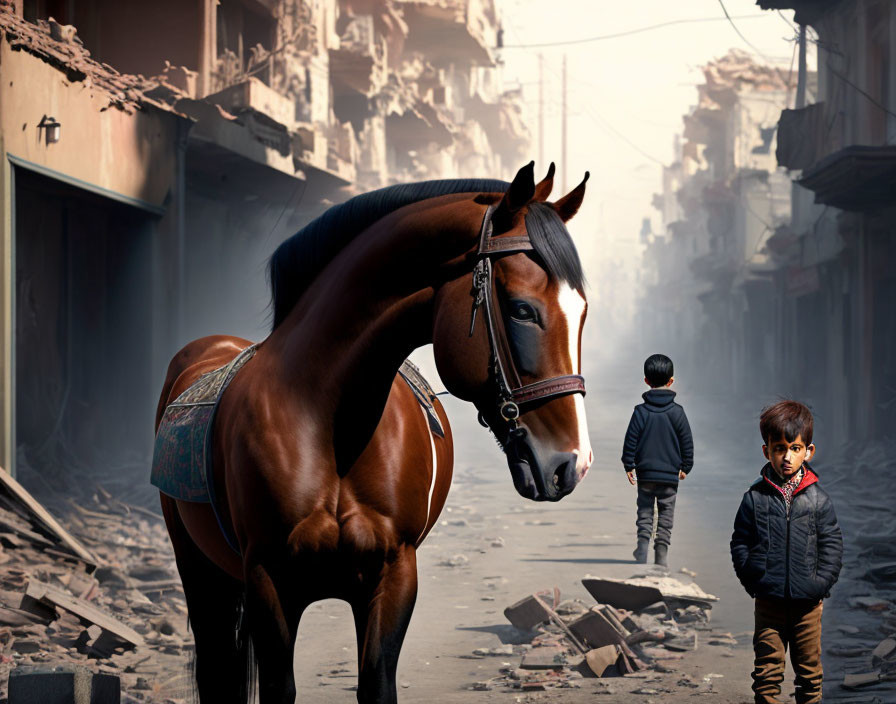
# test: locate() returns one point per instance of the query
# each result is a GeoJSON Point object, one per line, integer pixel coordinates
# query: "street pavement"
{"type": "Point", "coordinates": [466, 579]}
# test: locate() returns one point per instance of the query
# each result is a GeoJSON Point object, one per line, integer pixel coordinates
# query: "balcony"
{"type": "Point", "coordinates": [451, 30]}
{"type": "Point", "coordinates": [807, 11]}
{"type": "Point", "coordinates": [854, 178]}
{"type": "Point", "coordinates": [359, 64]}
{"type": "Point", "coordinates": [251, 95]}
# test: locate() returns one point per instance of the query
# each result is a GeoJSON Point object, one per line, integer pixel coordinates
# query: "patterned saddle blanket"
{"type": "Point", "coordinates": [182, 455]}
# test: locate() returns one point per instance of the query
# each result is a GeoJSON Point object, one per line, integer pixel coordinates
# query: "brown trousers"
{"type": "Point", "coordinates": [779, 625]}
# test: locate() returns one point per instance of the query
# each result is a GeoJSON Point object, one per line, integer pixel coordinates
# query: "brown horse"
{"type": "Point", "coordinates": [325, 470]}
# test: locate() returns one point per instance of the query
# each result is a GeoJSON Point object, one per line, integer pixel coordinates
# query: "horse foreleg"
{"type": "Point", "coordinates": [273, 637]}
{"type": "Point", "coordinates": [382, 615]}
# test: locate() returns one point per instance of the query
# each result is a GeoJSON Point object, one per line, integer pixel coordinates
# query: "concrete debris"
{"type": "Point", "coordinates": [863, 644]}
{"type": "Point", "coordinates": [885, 651]}
{"type": "Point", "coordinates": [527, 613]}
{"type": "Point", "coordinates": [125, 621]}
{"type": "Point", "coordinates": [547, 657]}
{"type": "Point", "coordinates": [458, 560]}
{"type": "Point", "coordinates": [642, 591]}
{"type": "Point", "coordinates": [861, 680]}
{"type": "Point", "coordinates": [59, 45]}
{"type": "Point", "coordinates": [572, 640]}
{"type": "Point", "coordinates": [600, 660]}
{"type": "Point", "coordinates": [63, 684]}
{"type": "Point", "coordinates": [500, 650]}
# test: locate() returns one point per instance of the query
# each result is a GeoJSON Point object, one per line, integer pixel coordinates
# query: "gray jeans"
{"type": "Point", "coordinates": [663, 495]}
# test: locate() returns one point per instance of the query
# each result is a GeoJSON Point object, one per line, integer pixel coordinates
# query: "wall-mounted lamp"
{"type": "Point", "coordinates": [52, 128]}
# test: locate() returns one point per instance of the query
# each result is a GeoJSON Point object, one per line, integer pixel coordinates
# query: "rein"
{"type": "Point", "coordinates": [512, 395]}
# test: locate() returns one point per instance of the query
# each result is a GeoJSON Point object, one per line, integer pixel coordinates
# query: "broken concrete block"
{"type": "Point", "coordinates": [621, 595]}
{"type": "Point", "coordinates": [62, 685]}
{"type": "Point", "coordinates": [612, 617]}
{"type": "Point", "coordinates": [861, 679]}
{"type": "Point", "coordinates": [527, 613]}
{"type": "Point", "coordinates": [602, 659]}
{"type": "Point", "coordinates": [870, 603]}
{"type": "Point", "coordinates": [691, 614]}
{"type": "Point", "coordinates": [725, 640]}
{"type": "Point", "coordinates": [596, 630]}
{"type": "Point", "coordinates": [885, 650]}
{"type": "Point", "coordinates": [673, 592]}
{"type": "Point", "coordinates": [686, 641]}
{"type": "Point", "coordinates": [544, 658]}
{"type": "Point", "coordinates": [48, 595]}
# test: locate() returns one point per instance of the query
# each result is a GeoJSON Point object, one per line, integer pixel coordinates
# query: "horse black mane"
{"type": "Point", "coordinates": [300, 258]}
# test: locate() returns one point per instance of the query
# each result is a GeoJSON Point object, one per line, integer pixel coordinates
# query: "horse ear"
{"type": "Point", "coordinates": [544, 187]}
{"type": "Point", "coordinates": [569, 204]}
{"type": "Point", "coordinates": [520, 193]}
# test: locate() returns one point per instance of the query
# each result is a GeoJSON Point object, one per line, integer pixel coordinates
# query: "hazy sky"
{"type": "Point", "coordinates": [638, 85]}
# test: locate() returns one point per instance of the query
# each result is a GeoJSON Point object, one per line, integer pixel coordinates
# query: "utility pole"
{"type": "Point", "coordinates": [798, 201]}
{"type": "Point", "coordinates": [540, 111]}
{"type": "Point", "coordinates": [563, 135]}
{"type": "Point", "coordinates": [801, 76]}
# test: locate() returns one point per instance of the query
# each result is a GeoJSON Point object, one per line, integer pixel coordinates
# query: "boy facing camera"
{"type": "Point", "coordinates": [787, 551]}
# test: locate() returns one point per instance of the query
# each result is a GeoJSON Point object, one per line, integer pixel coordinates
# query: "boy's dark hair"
{"type": "Point", "coordinates": [658, 370]}
{"type": "Point", "coordinates": [787, 418]}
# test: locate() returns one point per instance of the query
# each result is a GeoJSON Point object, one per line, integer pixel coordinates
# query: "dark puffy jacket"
{"type": "Point", "coordinates": [795, 557]}
{"type": "Point", "coordinates": [658, 443]}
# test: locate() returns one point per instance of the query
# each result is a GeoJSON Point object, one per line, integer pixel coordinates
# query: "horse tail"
{"type": "Point", "coordinates": [245, 652]}
{"type": "Point", "coordinates": [243, 658]}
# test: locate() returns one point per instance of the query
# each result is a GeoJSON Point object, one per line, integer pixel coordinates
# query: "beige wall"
{"type": "Point", "coordinates": [127, 156]}
{"type": "Point", "coordinates": [107, 149]}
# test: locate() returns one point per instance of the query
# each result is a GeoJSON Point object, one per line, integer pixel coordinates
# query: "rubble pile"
{"type": "Point", "coordinates": [860, 617]}
{"type": "Point", "coordinates": [116, 606]}
{"type": "Point", "coordinates": [637, 625]}
{"type": "Point", "coordinates": [60, 45]}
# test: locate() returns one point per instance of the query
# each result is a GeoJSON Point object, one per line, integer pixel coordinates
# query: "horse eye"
{"type": "Point", "coordinates": [522, 312]}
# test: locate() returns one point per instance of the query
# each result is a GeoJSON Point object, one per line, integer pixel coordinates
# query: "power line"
{"type": "Point", "coordinates": [867, 95]}
{"type": "Point", "coordinates": [748, 42]}
{"type": "Point", "coordinates": [739, 33]}
{"type": "Point", "coordinates": [628, 33]}
{"type": "Point", "coordinates": [601, 122]}
{"type": "Point", "coordinates": [606, 125]}
{"type": "Point", "coordinates": [787, 21]}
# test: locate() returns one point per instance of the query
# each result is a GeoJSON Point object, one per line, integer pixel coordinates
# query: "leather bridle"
{"type": "Point", "coordinates": [512, 395]}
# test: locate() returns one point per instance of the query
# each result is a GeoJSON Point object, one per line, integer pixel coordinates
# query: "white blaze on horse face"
{"type": "Point", "coordinates": [572, 304]}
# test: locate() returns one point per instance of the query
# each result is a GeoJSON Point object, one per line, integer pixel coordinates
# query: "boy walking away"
{"type": "Point", "coordinates": [658, 452]}
{"type": "Point", "coordinates": [787, 550]}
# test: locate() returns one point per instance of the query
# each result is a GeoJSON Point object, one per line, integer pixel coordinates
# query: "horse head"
{"type": "Point", "coordinates": [507, 336]}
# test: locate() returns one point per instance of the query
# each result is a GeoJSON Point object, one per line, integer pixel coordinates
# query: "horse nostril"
{"type": "Point", "coordinates": [565, 476]}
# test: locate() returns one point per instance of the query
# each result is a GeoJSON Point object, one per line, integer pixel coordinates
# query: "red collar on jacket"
{"type": "Point", "coordinates": [809, 478]}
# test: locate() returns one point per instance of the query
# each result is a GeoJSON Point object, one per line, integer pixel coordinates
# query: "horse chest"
{"type": "Point", "coordinates": [358, 531]}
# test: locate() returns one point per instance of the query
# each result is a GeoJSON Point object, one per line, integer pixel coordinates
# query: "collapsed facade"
{"type": "Point", "coordinates": [707, 273]}
{"type": "Point", "coordinates": [834, 254]}
{"type": "Point", "coordinates": [793, 273]}
{"type": "Point", "coordinates": [154, 154]}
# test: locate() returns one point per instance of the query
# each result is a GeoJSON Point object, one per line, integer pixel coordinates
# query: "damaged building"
{"type": "Point", "coordinates": [707, 272]}
{"type": "Point", "coordinates": [782, 226]}
{"type": "Point", "coordinates": [833, 257]}
{"type": "Point", "coordinates": [154, 155]}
